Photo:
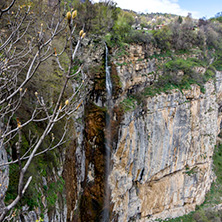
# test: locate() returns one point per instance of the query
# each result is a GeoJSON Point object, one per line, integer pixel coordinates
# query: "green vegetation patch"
{"type": "Point", "coordinates": [177, 73]}
{"type": "Point", "coordinates": [128, 104]}
{"type": "Point", "coordinates": [181, 73]}
{"type": "Point", "coordinates": [53, 190]}
{"type": "Point", "coordinates": [218, 163]}
{"type": "Point", "coordinates": [218, 61]}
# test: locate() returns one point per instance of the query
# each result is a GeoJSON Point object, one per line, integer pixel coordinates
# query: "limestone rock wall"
{"type": "Point", "coordinates": [162, 151]}
{"type": "Point", "coordinates": [135, 68]}
{"type": "Point", "coordinates": [162, 166]}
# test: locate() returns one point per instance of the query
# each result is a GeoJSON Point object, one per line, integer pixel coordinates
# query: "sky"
{"type": "Point", "coordinates": [198, 8]}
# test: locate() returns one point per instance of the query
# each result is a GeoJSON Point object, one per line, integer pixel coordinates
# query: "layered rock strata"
{"type": "Point", "coordinates": [162, 166]}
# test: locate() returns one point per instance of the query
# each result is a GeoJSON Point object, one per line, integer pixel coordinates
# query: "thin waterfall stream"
{"type": "Point", "coordinates": [108, 80]}
{"type": "Point", "coordinates": [105, 216]}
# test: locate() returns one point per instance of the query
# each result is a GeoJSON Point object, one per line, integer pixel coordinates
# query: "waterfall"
{"type": "Point", "coordinates": [105, 216]}
{"type": "Point", "coordinates": [108, 79]}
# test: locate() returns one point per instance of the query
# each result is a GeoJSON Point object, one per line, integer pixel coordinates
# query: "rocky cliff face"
{"type": "Point", "coordinates": [161, 150]}
{"type": "Point", "coordinates": [135, 68]}
{"type": "Point", "coordinates": [162, 164]}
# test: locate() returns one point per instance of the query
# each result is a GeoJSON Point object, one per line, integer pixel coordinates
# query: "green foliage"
{"type": "Point", "coordinates": [33, 195]}
{"type": "Point", "coordinates": [218, 60]}
{"type": "Point", "coordinates": [180, 20]}
{"type": "Point", "coordinates": [135, 36]}
{"type": "Point", "coordinates": [218, 163]}
{"type": "Point", "coordinates": [210, 73]}
{"type": "Point", "coordinates": [214, 195]}
{"type": "Point", "coordinates": [41, 166]}
{"type": "Point", "coordinates": [106, 15]}
{"type": "Point", "coordinates": [53, 190]}
{"type": "Point", "coordinates": [200, 215]}
{"type": "Point", "coordinates": [115, 25]}
{"type": "Point", "coordinates": [97, 19]}
{"type": "Point", "coordinates": [12, 189]}
{"type": "Point", "coordinates": [217, 17]}
{"type": "Point", "coordinates": [166, 54]}
{"type": "Point", "coordinates": [180, 73]}
{"type": "Point", "coordinates": [122, 26]}
{"type": "Point", "coordinates": [192, 171]}
{"type": "Point", "coordinates": [156, 89]}
{"type": "Point", "coordinates": [163, 38]}
{"type": "Point", "coordinates": [185, 218]}
{"type": "Point", "coordinates": [179, 64]}
{"type": "Point", "coordinates": [185, 65]}
{"type": "Point", "coordinates": [212, 37]}
{"type": "Point", "coordinates": [128, 104]}
{"type": "Point", "coordinates": [177, 73]}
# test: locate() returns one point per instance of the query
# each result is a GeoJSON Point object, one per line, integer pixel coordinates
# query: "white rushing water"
{"type": "Point", "coordinates": [106, 207]}
{"type": "Point", "coordinates": [108, 78]}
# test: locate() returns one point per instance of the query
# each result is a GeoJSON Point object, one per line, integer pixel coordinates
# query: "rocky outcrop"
{"type": "Point", "coordinates": [162, 166]}
{"type": "Point", "coordinates": [161, 150]}
{"type": "Point", "coordinates": [135, 68]}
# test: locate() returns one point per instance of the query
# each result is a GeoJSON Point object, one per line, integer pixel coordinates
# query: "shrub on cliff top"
{"type": "Point", "coordinates": [180, 73]}
{"type": "Point", "coordinates": [135, 36]}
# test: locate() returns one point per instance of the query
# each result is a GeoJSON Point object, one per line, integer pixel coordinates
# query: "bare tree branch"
{"type": "Point", "coordinates": [19, 66]}
{"type": "Point", "coordinates": [6, 9]}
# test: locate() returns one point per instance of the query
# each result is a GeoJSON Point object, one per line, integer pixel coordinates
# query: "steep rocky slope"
{"type": "Point", "coordinates": [162, 146]}
{"type": "Point", "coordinates": [161, 149]}
{"type": "Point", "coordinates": [162, 165]}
